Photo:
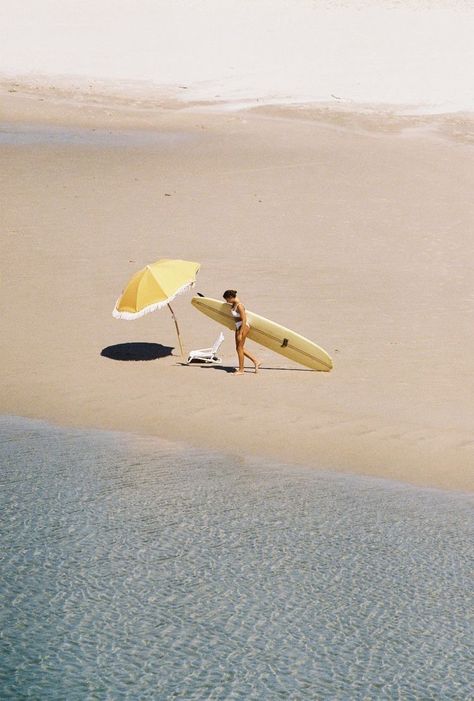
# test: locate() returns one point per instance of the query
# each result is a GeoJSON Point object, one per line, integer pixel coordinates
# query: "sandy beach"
{"type": "Point", "coordinates": [354, 234]}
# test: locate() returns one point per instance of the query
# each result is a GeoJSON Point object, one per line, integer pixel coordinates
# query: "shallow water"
{"type": "Point", "coordinates": [49, 135]}
{"type": "Point", "coordinates": [398, 52]}
{"type": "Point", "coordinates": [137, 569]}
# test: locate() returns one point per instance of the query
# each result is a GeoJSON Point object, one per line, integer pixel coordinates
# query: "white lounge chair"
{"type": "Point", "coordinates": [207, 355]}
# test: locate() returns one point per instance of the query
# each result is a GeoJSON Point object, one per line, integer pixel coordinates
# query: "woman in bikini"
{"type": "Point", "coordinates": [242, 327]}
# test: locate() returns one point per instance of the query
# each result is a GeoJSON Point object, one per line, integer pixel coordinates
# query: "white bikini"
{"type": "Point", "coordinates": [238, 319]}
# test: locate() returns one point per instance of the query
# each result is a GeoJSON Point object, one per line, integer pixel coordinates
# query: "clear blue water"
{"type": "Point", "coordinates": [136, 569]}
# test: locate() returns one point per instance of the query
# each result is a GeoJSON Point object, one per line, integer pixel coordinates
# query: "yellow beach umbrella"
{"type": "Point", "coordinates": [154, 287]}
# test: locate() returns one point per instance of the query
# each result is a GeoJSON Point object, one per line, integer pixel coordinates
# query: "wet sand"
{"type": "Point", "coordinates": [359, 237]}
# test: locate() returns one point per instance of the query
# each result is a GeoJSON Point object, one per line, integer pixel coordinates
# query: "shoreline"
{"type": "Point", "coordinates": [57, 101]}
{"type": "Point", "coordinates": [390, 408]}
{"type": "Point", "coordinates": [179, 447]}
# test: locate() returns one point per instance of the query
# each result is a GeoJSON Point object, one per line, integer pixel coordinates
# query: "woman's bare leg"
{"type": "Point", "coordinates": [241, 353]}
{"type": "Point", "coordinates": [248, 355]}
{"type": "Point", "coordinates": [239, 345]}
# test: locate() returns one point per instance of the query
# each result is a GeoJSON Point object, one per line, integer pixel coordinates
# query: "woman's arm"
{"type": "Point", "coordinates": [242, 312]}
{"type": "Point", "coordinates": [243, 316]}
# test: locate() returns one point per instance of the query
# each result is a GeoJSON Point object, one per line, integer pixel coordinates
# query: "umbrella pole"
{"type": "Point", "coordinates": [177, 330]}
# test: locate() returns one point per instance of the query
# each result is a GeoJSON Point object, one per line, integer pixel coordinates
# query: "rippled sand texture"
{"type": "Point", "coordinates": [134, 569]}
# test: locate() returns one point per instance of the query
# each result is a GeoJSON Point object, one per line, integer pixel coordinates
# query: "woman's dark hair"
{"type": "Point", "coordinates": [228, 294]}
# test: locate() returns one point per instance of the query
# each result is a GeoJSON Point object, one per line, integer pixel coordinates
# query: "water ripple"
{"type": "Point", "coordinates": [135, 570]}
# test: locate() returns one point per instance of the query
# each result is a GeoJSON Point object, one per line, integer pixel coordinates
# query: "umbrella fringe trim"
{"type": "Point", "coordinates": [129, 316]}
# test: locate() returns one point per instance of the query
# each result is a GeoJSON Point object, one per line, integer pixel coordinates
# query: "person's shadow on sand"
{"type": "Point", "coordinates": [136, 351]}
{"type": "Point", "coordinates": [248, 370]}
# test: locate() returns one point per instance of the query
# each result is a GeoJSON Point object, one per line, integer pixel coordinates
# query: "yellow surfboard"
{"type": "Point", "coordinates": [269, 334]}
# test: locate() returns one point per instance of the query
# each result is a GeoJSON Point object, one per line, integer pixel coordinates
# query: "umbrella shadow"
{"type": "Point", "coordinates": [136, 351]}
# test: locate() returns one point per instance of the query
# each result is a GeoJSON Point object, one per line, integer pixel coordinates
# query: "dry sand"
{"type": "Point", "coordinates": [359, 238]}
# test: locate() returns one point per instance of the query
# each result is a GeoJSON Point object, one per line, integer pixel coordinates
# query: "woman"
{"type": "Point", "coordinates": [242, 328]}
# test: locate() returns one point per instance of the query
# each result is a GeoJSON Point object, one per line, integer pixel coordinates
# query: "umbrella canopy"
{"type": "Point", "coordinates": [154, 287]}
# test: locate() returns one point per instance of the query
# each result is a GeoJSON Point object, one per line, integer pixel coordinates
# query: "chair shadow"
{"type": "Point", "coordinates": [226, 368]}
{"type": "Point", "coordinates": [136, 351]}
